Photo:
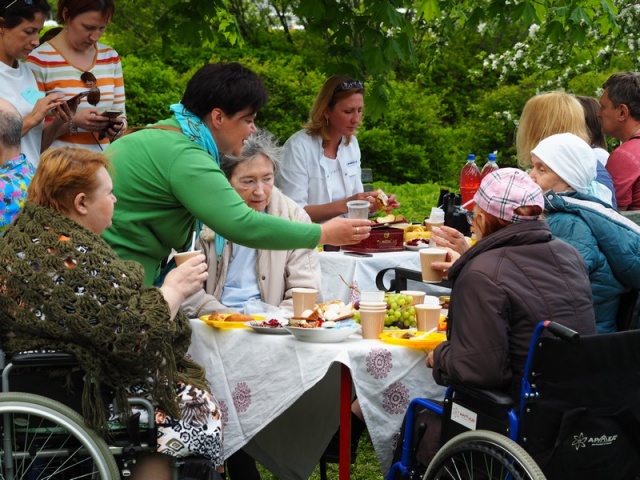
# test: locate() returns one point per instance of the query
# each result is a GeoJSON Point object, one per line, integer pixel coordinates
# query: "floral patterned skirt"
{"type": "Point", "coordinates": [198, 432]}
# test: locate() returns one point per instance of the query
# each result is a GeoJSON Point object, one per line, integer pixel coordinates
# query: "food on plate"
{"type": "Point", "coordinates": [234, 317]}
{"type": "Point", "coordinates": [417, 242]}
{"type": "Point", "coordinates": [391, 218]}
{"type": "Point", "coordinates": [324, 312]}
{"type": "Point", "coordinates": [273, 323]}
{"type": "Point", "coordinates": [386, 219]}
{"type": "Point", "coordinates": [442, 324]}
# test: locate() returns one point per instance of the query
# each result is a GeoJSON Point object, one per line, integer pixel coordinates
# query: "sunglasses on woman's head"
{"type": "Point", "coordinates": [26, 2]}
{"type": "Point", "coordinates": [348, 86]}
{"type": "Point", "coordinates": [93, 97]}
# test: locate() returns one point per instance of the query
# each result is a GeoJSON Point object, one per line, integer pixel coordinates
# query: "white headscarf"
{"type": "Point", "coordinates": [574, 161]}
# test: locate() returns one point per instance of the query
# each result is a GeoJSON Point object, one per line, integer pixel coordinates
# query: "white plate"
{"type": "Point", "coordinates": [267, 330]}
{"type": "Point", "coordinates": [321, 335]}
{"type": "Point", "coordinates": [415, 248]}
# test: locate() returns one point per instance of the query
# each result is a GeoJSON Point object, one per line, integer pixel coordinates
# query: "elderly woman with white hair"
{"type": "Point", "coordinates": [564, 166]}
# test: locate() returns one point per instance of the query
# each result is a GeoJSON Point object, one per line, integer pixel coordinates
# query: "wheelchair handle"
{"type": "Point", "coordinates": [562, 332]}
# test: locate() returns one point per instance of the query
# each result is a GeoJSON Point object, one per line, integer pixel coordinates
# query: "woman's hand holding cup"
{"type": "Point", "coordinates": [344, 231]}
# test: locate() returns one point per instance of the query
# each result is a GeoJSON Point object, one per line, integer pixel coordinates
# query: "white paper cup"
{"type": "Point", "coordinates": [184, 256]}
{"type": "Point", "coordinates": [303, 299]}
{"type": "Point", "coordinates": [358, 209]}
{"type": "Point", "coordinates": [372, 323]}
{"type": "Point", "coordinates": [427, 257]}
{"type": "Point", "coordinates": [372, 296]}
{"type": "Point", "coordinates": [430, 300]}
{"type": "Point", "coordinates": [373, 305]}
{"type": "Point", "coordinates": [417, 296]}
{"type": "Point", "coordinates": [427, 317]}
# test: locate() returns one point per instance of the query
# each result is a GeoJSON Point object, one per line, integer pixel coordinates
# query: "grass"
{"type": "Point", "coordinates": [366, 466]}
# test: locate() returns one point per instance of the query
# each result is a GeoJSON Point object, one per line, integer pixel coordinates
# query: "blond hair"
{"type": "Point", "coordinates": [547, 114]}
{"type": "Point", "coordinates": [327, 98]}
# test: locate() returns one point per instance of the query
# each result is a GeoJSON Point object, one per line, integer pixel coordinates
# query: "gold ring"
{"type": "Point", "coordinates": [357, 231]}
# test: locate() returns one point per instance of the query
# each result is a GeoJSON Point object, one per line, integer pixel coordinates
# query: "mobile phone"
{"type": "Point", "coordinates": [358, 254]}
{"type": "Point", "coordinates": [111, 113]}
{"type": "Point", "coordinates": [76, 98]}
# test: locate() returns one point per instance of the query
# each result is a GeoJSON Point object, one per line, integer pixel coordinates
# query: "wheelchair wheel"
{"type": "Point", "coordinates": [482, 455]}
{"type": "Point", "coordinates": [44, 439]}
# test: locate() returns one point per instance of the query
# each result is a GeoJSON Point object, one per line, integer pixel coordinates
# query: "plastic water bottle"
{"type": "Point", "coordinates": [490, 166]}
{"type": "Point", "coordinates": [469, 180]}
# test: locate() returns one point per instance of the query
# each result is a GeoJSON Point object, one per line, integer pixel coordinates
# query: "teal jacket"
{"type": "Point", "coordinates": [609, 244]}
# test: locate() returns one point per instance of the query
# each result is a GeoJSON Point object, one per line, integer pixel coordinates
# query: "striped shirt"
{"type": "Point", "coordinates": [55, 74]}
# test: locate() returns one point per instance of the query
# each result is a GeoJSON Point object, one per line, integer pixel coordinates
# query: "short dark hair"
{"type": "Point", "coordinates": [624, 87]}
{"type": "Point", "coordinates": [227, 86]}
{"type": "Point", "coordinates": [76, 7]}
{"type": "Point", "coordinates": [21, 11]}
{"type": "Point", "coordinates": [10, 128]}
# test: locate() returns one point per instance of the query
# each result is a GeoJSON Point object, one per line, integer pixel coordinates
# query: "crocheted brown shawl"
{"type": "Point", "coordinates": [63, 287]}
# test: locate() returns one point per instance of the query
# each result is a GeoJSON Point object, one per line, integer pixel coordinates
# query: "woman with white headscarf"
{"type": "Point", "coordinates": [564, 166]}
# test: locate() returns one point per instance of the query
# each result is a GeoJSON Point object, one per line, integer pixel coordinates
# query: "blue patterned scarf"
{"type": "Point", "coordinates": [196, 131]}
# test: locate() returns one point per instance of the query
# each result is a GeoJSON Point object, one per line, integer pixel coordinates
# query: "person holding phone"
{"type": "Point", "coordinates": [74, 62]}
{"type": "Point", "coordinates": [20, 25]}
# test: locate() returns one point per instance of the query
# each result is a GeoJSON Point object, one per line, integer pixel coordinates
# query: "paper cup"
{"type": "Point", "coordinates": [430, 300]}
{"type": "Point", "coordinates": [358, 209]}
{"type": "Point", "coordinates": [372, 323]}
{"type": "Point", "coordinates": [427, 257]}
{"type": "Point", "coordinates": [373, 305]}
{"type": "Point", "coordinates": [417, 295]}
{"type": "Point", "coordinates": [429, 224]}
{"type": "Point", "coordinates": [372, 296]}
{"type": "Point", "coordinates": [427, 317]}
{"type": "Point", "coordinates": [303, 299]}
{"type": "Point", "coordinates": [182, 257]}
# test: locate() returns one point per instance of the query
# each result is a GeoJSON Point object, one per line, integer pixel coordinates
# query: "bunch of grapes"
{"type": "Point", "coordinates": [400, 313]}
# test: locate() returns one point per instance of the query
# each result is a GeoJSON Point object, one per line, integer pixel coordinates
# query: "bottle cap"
{"type": "Point", "coordinates": [471, 157]}
{"type": "Point", "coordinates": [492, 157]}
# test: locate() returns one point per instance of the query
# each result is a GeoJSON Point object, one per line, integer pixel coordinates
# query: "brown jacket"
{"type": "Point", "coordinates": [503, 286]}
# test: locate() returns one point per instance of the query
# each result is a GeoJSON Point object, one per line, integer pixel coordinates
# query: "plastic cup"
{"type": "Point", "coordinates": [372, 296]}
{"type": "Point", "coordinates": [372, 322]}
{"type": "Point", "coordinates": [416, 295]}
{"type": "Point", "coordinates": [182, 257]}
{"type": "Point", "coordinates": [427, 317]}
{"type": "Point", "coordinates": [358, 209]}
{"type": "Point", "coordinates": [303, 299]}
{"type": "Point", "coordinates": [427, 257]}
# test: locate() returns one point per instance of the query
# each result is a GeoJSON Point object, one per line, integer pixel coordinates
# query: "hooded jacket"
{"type": "Point", "coordinates": [608, 243]}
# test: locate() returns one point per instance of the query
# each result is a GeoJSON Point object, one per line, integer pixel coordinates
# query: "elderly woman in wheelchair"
{"type": "Point", "coordinates": [516, 275]}
{"type": "Point", "coordinates": [63, 288]}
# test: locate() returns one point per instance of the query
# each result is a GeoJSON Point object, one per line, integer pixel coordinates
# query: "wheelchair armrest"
{"type": "Point", "coordinates": [44, 358]}
{"type": "Point", "coordinates": [496, 397]}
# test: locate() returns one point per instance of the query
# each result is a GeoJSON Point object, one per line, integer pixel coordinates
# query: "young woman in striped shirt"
{"type": "Point", "coordinates": [74, 62]}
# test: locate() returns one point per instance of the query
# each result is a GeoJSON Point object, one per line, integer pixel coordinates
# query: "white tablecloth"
{"type": "Point", "coordinates": [363, 271]}
{"type": "Point", "coordinates": [280, 396]}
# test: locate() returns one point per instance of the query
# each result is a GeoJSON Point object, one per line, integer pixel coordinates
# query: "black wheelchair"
{"type": "Point", "coordinates": [578, 416]}
{"type": "Point", "coordinates": [44, 436]}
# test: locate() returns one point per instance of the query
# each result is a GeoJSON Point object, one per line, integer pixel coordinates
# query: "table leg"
{"type": "Point", "coordinates": [345, 422]}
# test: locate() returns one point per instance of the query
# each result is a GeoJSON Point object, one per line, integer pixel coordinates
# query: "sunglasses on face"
{"type": "Point", "coordinates": [26, 2]}
{"type": "Point", "coordinates": [348, 86]}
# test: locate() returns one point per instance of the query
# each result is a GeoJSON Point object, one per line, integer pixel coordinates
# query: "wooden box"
{"type": "Point", "coordinates": [382, 239]}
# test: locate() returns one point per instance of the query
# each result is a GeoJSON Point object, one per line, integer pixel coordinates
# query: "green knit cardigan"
{"type": "Point", "coordinates": [62, 287]}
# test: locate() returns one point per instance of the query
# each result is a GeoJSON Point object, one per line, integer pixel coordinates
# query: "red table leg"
{"type": "Point", "coordinates": [345, 422]}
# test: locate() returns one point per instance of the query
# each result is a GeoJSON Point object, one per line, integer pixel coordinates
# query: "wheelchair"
{"type": "Point", "coordinates": [46, 438]}
{"type": "Point", "coordinates": [578, 416]}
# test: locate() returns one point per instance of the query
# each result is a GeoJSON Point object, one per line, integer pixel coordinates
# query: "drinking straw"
{"type": "Point", "coordinates": [193, 242]}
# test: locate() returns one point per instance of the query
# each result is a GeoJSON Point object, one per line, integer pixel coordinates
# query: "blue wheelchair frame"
{"type": "Point", "coordinates": [527, 392]}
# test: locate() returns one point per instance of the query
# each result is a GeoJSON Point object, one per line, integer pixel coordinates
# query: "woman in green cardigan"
{"type": "Point", "coordinates": [167, 178]}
